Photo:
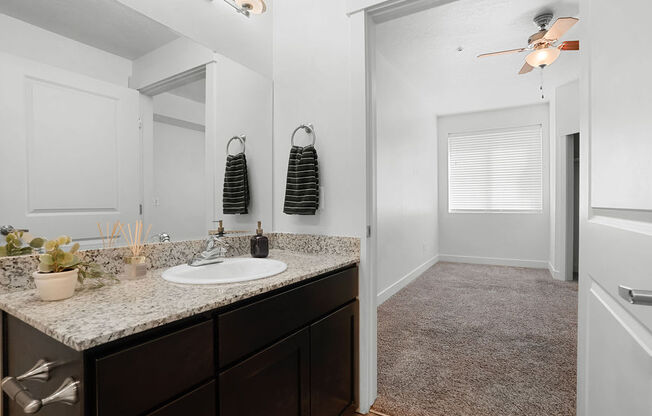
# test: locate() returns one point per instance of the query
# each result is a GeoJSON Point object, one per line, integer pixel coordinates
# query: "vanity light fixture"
{"type": "Point", "coordinates": [247, 7]}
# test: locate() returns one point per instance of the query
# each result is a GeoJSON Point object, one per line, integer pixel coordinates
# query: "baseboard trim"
{"type": "Point", "coordinates": [495, 261]}
{"type": "Point", "coordinates": [556, 274]}
{"type": "Point", "coordinates": [405, 280]}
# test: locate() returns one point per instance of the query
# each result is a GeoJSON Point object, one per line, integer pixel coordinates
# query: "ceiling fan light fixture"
{"type": "Point", "coordinates": [252, 6]}
{"type": "Point", "coordinates": [543, 56]}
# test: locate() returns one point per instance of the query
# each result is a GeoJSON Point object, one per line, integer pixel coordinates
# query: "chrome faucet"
{"type": "Point", "coordinates": [215, 250]}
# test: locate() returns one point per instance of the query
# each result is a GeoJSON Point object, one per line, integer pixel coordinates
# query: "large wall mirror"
{"type": "Point", "coordinates": [106, 115]}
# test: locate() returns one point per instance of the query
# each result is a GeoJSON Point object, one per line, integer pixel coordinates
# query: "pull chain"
{"type": "Point", "coordinates": [541, 85]}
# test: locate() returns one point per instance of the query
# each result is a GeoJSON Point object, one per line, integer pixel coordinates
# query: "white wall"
{"type": "Point", "coordinates": [171, 59]}
{"type": "Point", "coordinates": [244, 106]}
{"type": "Point", "coordinates": [31, 42]}
{"type": "Point", "coordinates": [181, 108]}
{"type": "Point", "coordinates": [494, 238]}
{"type": "Point", "coordinates": [218, 26]}
{"type": "Point", "coordinates": [178, 182]}
{"type": "Point", "coordinates": [312, 84]}
{"type": "Point", "coordinates": [406, 151]}
{"type": "Point", "coordinates": [174, 189]}
{"type": "Point", "coordinates": [565, 120]}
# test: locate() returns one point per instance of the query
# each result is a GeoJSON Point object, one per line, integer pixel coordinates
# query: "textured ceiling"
{"type": "Point", "coordinates": [423, 46]}
{"type": "Point", "coordinates": [103, 24]}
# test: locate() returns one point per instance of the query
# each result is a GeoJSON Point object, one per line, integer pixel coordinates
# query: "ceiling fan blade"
{"type": "Point", "coordinates": [526, 68]}
{"type": "Point", "coordinates": [560, 27]}
{"type": "Point", "coordinates": [501, 52]}
{"type": "Point", "coordinates": [569, 45]}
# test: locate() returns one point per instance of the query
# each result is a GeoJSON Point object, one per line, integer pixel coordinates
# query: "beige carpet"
{"type": "Point", "coordinates": [478, 340]}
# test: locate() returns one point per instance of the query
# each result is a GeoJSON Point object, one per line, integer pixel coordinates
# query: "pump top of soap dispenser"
{"type": "Point", "coordinates": [220, 228]}
{"type": "Point", "coordinates": [259, 230]}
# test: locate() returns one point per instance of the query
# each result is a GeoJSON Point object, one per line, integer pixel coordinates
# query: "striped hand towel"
{"type": "Point", "coordinates": [235, 198]}
{"type": "Point", "coordinates": [302, 186]}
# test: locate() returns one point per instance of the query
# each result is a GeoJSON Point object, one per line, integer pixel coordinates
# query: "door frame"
{"type": "Point", "coordinates": [568, 204]}
{"type": "Point", "coordinates": [364, 14]}
{"type": "Point", "coordinates": [146, 115]}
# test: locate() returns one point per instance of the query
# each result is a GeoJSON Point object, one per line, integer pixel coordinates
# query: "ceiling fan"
{"type": "Point", "coordinates": [542, 45]}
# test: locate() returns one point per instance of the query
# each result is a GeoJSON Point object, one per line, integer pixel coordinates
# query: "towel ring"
{"type": "Point", "coordinates": [242, 140]}
{"type": "Point", "coordinates": [309, 129]}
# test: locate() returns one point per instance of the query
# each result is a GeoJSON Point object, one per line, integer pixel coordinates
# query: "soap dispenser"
{"type": "Point", "coordinates": [259, 243]}
{"type": "Point", "coordinates": [220, 229]}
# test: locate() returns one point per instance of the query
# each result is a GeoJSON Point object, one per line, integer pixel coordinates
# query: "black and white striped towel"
{"type": "Point", "coordinates": [235, 198]}
{"type": "Point", "coordinates": [302, 186]}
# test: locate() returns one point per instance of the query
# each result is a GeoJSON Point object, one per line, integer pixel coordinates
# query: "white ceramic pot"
{"type": "Point", "coordinates": [56, 286]}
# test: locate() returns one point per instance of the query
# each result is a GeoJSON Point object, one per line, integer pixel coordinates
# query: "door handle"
{"type": "Point", "coordinates": [635, 297]}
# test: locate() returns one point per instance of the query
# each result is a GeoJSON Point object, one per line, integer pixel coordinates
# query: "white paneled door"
{"type": "Point", "coordinates": [69, 151]}
{"type": "Point", "coordinates": [615, 335]}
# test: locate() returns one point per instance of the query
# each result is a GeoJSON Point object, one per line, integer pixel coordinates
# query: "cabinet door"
{"type": "Point", "coordinates": [199, 402]}
{"type": "Point", "coordinates": [274, 382]}
{"type": "Point", "coordinates": [332, 362]}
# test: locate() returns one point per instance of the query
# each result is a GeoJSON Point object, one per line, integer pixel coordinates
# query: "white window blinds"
{"type": "Point", "coordinates": [496, 170]}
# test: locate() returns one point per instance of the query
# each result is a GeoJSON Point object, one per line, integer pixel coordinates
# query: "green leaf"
{"type": "Point", "coordinates": [37, 242]}
{"type": "Point", "coordinates": [25, 250]}
{"type": "Point", "coordinates": [3, 251]}
{"type": "Point", "coordinates": [45, 268]}
{"type": "Point", "coordinates": [46, 259]}
{"type": "Point", "coordinates": [74, 248]}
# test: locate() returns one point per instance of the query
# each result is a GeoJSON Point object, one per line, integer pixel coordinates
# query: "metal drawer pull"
{"type": "Point", "coordinates": [67, 393]}
{"type": "Point", "coordinates": [40, 371]}
{"type": "Point", "coordinates": [635, 297]}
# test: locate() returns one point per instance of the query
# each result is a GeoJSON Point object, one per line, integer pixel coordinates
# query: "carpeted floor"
{"type": "Point", "coordinates": [478, 340]}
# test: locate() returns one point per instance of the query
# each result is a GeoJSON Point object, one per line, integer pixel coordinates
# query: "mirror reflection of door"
{"type": "Point", "coordinates": [178, 148]}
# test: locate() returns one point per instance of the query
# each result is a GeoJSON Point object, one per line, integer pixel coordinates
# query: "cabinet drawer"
{"type": "Point", "coordinates": [137, 379]}
{"type": "Point", "coordinates": [273, 382]}
{"type": "Point", "coordinates": [251, 327]}
{"type": "Point", "coordinates": [199, 402]}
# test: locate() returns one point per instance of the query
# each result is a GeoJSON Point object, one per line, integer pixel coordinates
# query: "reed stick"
{"type": "Point", "coordinates": [135, 239]}
{"type": "Point", "coordinates": [109, 236]}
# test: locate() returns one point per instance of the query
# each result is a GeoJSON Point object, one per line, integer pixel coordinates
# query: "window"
{"type": "Point", "coordinates": [496, 170]}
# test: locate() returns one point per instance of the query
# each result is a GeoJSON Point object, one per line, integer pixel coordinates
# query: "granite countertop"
{"type": "Point", "coordinates": [96, 316]}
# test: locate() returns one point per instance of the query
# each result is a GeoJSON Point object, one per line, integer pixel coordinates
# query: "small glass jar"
{"type": "Point", "coordinates": [135, 267]}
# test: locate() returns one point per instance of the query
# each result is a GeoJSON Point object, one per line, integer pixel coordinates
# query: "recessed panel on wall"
{"type": "Point", "coordinates": [72, 149]}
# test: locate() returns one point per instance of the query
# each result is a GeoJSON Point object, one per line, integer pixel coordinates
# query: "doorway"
{"type": "Point", "coordinates": [572, 205]}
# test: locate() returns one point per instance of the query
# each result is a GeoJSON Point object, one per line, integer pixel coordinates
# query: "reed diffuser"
{"type": "Point", "coordinates": [135, 266]}
{"type": "Point", "coordinates": [111, 236]}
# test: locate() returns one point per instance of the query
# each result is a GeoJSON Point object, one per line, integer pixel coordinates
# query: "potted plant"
{"type": "Point", "coordinates": [60, 270]}
{"type": "Point", "coordinates": [15, 245]}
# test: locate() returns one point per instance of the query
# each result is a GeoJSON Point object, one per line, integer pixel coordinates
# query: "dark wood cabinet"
{"type": "Point", "coordinates": [286, 353]}
{"type": "Point", "coordinates": [199, 402]}
{"type": "Point", "coordinates": [137, 379]}
{"type": "Point", "coordinates": [332, 360]}
{"type": "Point", "coordinates": [273, 382]}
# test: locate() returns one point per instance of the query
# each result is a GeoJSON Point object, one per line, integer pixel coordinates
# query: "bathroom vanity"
{"type": "Point", "coordinates": [285, 345]}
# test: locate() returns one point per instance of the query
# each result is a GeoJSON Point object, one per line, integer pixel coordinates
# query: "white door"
{"type": "Point", "coordinates": [615, 336]}
{"type": "Point", "coordinates": [69, 151]}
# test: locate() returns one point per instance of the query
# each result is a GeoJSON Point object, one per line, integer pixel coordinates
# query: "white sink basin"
{"type": "Point", "coordinates": [232, 270]}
